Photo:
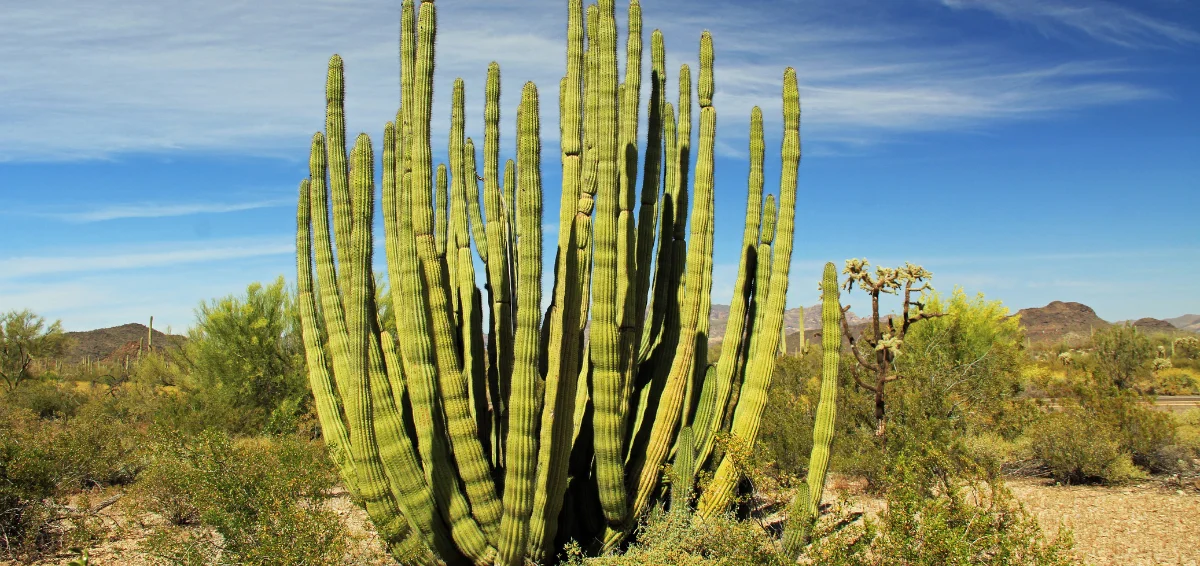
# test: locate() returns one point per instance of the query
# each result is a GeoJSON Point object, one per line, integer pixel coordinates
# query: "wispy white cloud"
{"type": "Point", "coordinates": [163, 210]}
{"type": "Point", "coordinates": [1104, 21]}
{"type": "Point", "coordinates": [225, 76]}
{"type": "Point", "coordinates": [167, 255]}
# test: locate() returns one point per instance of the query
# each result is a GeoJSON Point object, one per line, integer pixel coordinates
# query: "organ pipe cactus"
{"type": "Point", "coordinates": [804, 507]}
{"type": "Point", "coordinates": [495, 445]}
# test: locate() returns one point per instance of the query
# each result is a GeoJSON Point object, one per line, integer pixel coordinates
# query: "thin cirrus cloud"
{"type": "Point", "coordinates": [1100, 20]}
{"type": "Point", "coordinates": [248, 78]}
{"type": "Point", "coordinates": [178, 254]}
{"type": "Point", "coordinates": [161, 210]}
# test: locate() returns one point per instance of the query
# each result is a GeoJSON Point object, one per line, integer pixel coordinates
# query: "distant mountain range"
{"type": "Point", "coordinates": [1055, 321]}
{"type": "Point", "coordinates": [1186, 322]}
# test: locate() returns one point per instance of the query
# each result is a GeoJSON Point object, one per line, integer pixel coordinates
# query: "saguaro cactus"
{"type": "Point", "coordinates": [470, 452]}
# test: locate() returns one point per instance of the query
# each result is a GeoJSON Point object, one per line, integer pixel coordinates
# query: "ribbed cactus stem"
{"type": "Point", "coordinates": [710, 415]}
{"type": "Point", "coordinates": [685, 473]}
{"type": "Point", "coordinates": [761, 365]}
{"type": "Point", "coordinates": [562, 321]}
{"type": "Point", "coordinates": [498, 274]}
{"type": "Point", "coordinates": [805, 507]}
{"type": "Point", "coordinates": [601, 114]}
{"type": "Point", "coordinates": [524, 402]}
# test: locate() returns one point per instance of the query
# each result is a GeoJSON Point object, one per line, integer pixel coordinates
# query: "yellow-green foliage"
{"type": "Point", "coordinates": [262, 508]}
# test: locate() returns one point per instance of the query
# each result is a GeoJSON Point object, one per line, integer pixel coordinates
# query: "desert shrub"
{"type": "Point", "coordinates": [252, 501]}
{"type": "Point", "coordinates": [44, 462]}
{"type": "Point", "coordinates": [1186, 348]}
{"type": "Point", "coordinates": [1059, 442]}
{"type": "Point", "coordinates": [46, 398]}
{"type": "Point", "coordinates": [941, 513]}
{"type": "Point", "coordinates": [785, 433]}
{"type": "Point", "coordinates": [666, 538]}
{"type": "Point", "coordinates": [1139, 430]}
{"type": "Point", "coordinates": [1120, 355]}
{"type": "Point", "coordinates": [1175, 381]}
{"type": "Point", "coordinates": [247, 359]}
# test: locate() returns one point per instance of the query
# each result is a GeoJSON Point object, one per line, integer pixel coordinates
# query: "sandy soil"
{"type": "Point", "coordinates": [1148, 524]}
{"type": "Point", "coordinates": [1152, 523]}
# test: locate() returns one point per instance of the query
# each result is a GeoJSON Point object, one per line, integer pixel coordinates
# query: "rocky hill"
{"type": "Point", "coordinates": [1153, 325]}
{"type": "Point", "coordinates": [102, 343]}
{"type": "Point", "coordinates": [1186, 322]}
{"type": "Point", "coordinates": [1058, 320]}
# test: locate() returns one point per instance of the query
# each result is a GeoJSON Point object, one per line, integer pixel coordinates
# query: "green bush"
{"type": "Point", "coordinates": [1120, 355]}
{"type": "Point", "coordinates": [674, 539]}
{"type": "Point", "coordinates": [43, 462]}
{"type": "Point", "coordinates": [47, 399]}
{"type": "Point", "coordinates": [247, 359]}
{"type": "Point", "coordinates": [251, 501]}
{"type": "Point", "coordinates": [938, 518]}
{"type": "Point", "coordinates": [1075, 450]}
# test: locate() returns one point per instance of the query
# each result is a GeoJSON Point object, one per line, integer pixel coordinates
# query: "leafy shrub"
{"type": "Point", "coordinates": [255, 501]}
{"type": "Point", "coordinates": [42, 462]}
{"type": "Point", "coordinates": [1176, 381]}
{"type": "Point", "coordinates": [1121, 354]}
{"type": "Point", "coordinates": [46, 399]}
{"type": "Point", "coordinates": [937, 518]}
{"type": "Point", "coordinates": [1139, 430]}
{"type": "Point", "coordinates": [1072, 456]}
{"type": "Point", "coordinates": [247, 359]}
{"type": "Point", "coordinates": [674, 538]}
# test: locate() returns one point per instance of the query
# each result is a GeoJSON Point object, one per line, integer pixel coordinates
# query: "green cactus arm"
{"type": "Point", "coordinates": [498, 275]}
{"type": "Point", "coordinates": [808, 502]}
{"type": "Point", "coordinates": [733, 346]}
{"type": "Point", "coordinates": [651, 177]}
{"type": "Point", "coordinates": [762, 363]}
{"type": "Point", "coordinates": [798, 525]}
{"type": "Point", "coordinates": [705, 407]}
{"type": "Point", "coordinates": [349, 370]}
{"type": "Point", "coordinates": [413, 321]}
{"type": "Point", "coordinates": [768, 223]}
{"type": "Point", "coordinates": [524, 402]}
{"type": "Point", "coordinates": [561, 357]}
{"type": "Point", "coordinates": [695, 302]}
{"type": "Point", "coordinates": [684, 469]}
{"type": "Point", "coordinates": [465, 445]}
{"type": "Point", "coordinates": [329, 406]}
{"type": "Point", "coordinates": [335, 159]}
{"type": "Point", "coordinates": [601, 114]}
{"type": "Point", "coordinates": [405, 475]}
{"type": "Point", "coordinates": [442, 210]}
{"type": "Point", "coordinates": [659, 297]}
{"type": "Point", "coordinates": [474, 367]}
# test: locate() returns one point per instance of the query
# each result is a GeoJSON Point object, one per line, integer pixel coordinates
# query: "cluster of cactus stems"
{"type": "Point", "coordinates": [556, 426]}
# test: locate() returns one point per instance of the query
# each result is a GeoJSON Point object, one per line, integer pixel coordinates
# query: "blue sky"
{"type": "Point", "coordinates": [1032, 150]}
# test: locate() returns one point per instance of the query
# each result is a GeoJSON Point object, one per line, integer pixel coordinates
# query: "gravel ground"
{"type": "Point", "coordinates": [1148, 524]}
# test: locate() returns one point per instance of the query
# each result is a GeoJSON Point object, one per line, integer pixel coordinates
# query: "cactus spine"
{"type": "Point", "coordinates": [497, 453]}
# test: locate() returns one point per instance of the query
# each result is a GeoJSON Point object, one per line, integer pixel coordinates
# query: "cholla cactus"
{"type": "Point", "coordinates": [496, 452]}
{"type": "Point", "coordinates": [885, 344]}
{"type": "Point", "coordinates": [1066, 358]}
{"type": "Point", "coordinates": [1162, 363]}
{"type": "Point", "coordinates": [1186, 347]}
